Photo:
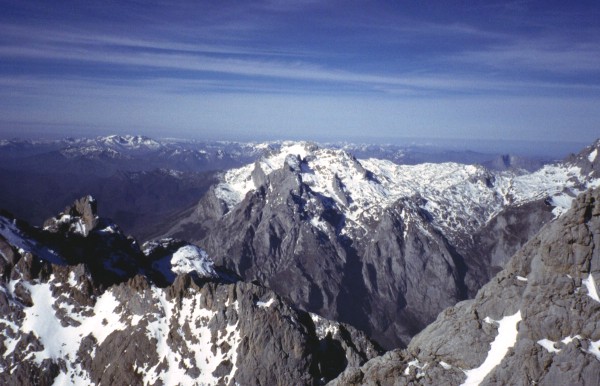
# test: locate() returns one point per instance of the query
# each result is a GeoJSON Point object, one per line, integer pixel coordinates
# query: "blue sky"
{"type": "Point", "coordinates": [305, 69]}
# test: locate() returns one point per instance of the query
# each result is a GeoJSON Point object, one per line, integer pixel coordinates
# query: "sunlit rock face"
{"type": "Point", "coordinates": [382, 246]}
{"type": "Point", "coordinates": [536, 322]}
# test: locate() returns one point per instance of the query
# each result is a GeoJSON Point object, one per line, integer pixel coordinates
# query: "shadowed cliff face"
{"type": "Point", "coordinates": [82, 303]}
{"type": "Point", "coordinates": [390, 282]}
{"type": "Point", "coordinates": [535, 322]}
{"type": "Point", "coordinates": [381, 246]}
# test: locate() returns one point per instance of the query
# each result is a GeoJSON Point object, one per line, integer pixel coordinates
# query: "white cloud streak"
{"type": "Point", "coordinates": [110, 51]}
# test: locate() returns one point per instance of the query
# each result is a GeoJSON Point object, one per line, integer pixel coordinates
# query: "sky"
{"type": "Point", "coordinates": [321, 70]}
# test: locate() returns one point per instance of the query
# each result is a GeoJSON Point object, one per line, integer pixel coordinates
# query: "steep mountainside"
{"type": "Point", "coordinates": [150, 181]}
{"type": "Point", "coordinates": [382, 246]}
{"type": "Point", "coordinates": [144, 180]}
{"type": "Point", "coordinates": [536, 322]}
{"type": "Point", "coordinates": [80, 303]}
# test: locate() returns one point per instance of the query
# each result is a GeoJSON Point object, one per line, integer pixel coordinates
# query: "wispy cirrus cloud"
{"type": "Point", "coordinates": [331, 57]}
{"type": "Point", "coordinates": [208, 61]}
{"type": "Point", "coordinates": [538, 54]}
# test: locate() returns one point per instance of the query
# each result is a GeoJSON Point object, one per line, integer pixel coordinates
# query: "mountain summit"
{"type": "Point", "coordinates": [382, 246]}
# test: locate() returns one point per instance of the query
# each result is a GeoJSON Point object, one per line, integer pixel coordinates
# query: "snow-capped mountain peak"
{"type": "Point", "coordinates": [460, 198]}
{"type": "Point", "coordinates": [129, 142]}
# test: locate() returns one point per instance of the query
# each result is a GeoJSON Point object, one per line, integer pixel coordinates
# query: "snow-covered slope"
{"type": "Point", "coordinates": [460, 198]}
{"type": "Point", "coordinates": [168, 316]}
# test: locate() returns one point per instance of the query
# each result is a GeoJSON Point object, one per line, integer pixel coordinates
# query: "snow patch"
{"type": "Point", "coordinates": [110, 229]}
{"type": "Point", "coordinates": [590, 284]}
{"type": "Point", "coordinates": [319, 224]}
{"type": "Point", "coordinates": [561, 203]}
{"type": "Point", "coordinates": [186, 259]}
{"type": "Point", "coordinates": [506, 338]}
{"type": "Point", "coordinates": [64, 342]}
{"type": "Point", "coordinates": [191, 258]}
{"type": "Point", "coordinates": [548, 345]}
{"type": "Point", "coordinates": [197, 319]}
{"type": "Point", "coordinates": [595, 349]}
{"type": "Point", "coordinates": [420, 368]}
{"type": "Point", "coordinates": [521, 278]}
{"type": "Point", "coordinates": [592, 156]}
{"type": "Point", "coordinates": [569, 339]}
{"type": "Point", "coordinates": [323, 326]}
{"type": "Point", "coordinates": [266, 304]}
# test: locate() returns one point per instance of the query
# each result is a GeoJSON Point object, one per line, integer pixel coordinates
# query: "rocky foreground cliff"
{"type": "Point", "coordinates": [80, 303]}
{"type": "Point", "coordinates": [536, 323]}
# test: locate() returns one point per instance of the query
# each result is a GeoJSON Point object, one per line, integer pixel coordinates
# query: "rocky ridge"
{"type": "Point", "coordinates": [536, 322]}
{"type": "Point", "coordinates": [80, 303]}
{"type": "Point", "coordinates": [382, 246]}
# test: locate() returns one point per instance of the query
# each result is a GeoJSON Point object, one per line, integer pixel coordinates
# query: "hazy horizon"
{"type": "Point", "coordinates": [537, 148]}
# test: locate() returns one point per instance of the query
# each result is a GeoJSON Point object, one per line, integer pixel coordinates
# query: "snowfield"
{"type": "Point", "coordinates": [460, 198]}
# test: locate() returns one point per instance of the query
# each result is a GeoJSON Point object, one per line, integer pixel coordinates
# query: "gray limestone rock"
{"type": "Point", "coordinates": [544, 306]}
{"type": "Point", "coordinates": [60, 324]}
{"type": "Point", "coordinates": [390, 281]}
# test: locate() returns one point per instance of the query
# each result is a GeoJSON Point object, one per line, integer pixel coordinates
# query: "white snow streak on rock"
{"type": "Point", "coordinates": [266, 304]}
{"type": "Point", "coordinates": [569, 339]}
{"type": "Point", "coordinates": [64, 342]}
{"type": "Point", "coordinates": [593, 155]}
{"type": "Point", "coordinates": [319, 224]}
{"type": "Point", "coordinates": [199, 343]}
{"type": "Point", "coordinates": [417, 364]}
{"type": "Point", "coordinates": [323, 326]}
{"type": "Point", "coordinates": [548, 345]}
{"type": "Point", "coordinates": [15, 237]}
{"type": "Point", "coordinates": [506, 338]}
{"type": "Point", "coordinates": [590, 284]}
{"type": "Point", "coordinates": [561, 203]}
{"type": "Point", "coordinates": [595, 349]}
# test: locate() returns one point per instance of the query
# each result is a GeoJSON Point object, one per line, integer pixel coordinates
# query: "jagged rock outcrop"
{"type": "Point", "coordinates": [381, 246]}
{"type": "Point", "coordinates": [376, 284]}
{"type": "Point", "coordinates": [79, 218]}
{"type": "Point", "coordinates": [536, 322]}
{"type": "Point", "coordinates": [175, 319]}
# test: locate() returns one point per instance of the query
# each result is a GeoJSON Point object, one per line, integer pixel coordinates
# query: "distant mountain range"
{"type": "Point", "coordinates": [292, 249]}
{"type": "Point", "coordinates": [140, 153]}
{"type": "Point", "coordinates": [126, 171]}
